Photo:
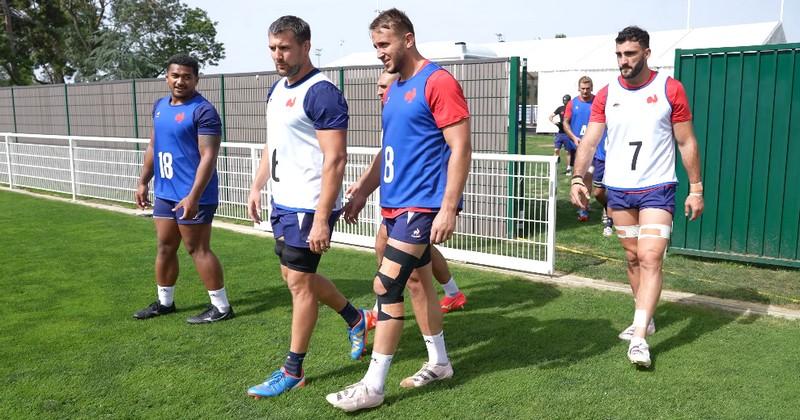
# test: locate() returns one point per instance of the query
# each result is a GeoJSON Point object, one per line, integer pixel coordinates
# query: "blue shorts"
{"type": "Point", "coordinates": [294, 226]}
{"type": "Point", "coordinates": [162, 209]}
{"type": "Point", "coordinates": [410, 227]}
{"type": "Point", "coordinates": [661, 197]}
{"type": "Point", "coordinates": [599, 172]}
{"type": "Point", "coordinates": [562, 139]}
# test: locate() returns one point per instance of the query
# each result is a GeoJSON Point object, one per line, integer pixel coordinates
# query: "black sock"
{"type": "Point", "coordinates": [294, 364]}
{"type": "Point", "coordinates": [350, 314]}
{"type": "Point", "coordinates": [572, 159]}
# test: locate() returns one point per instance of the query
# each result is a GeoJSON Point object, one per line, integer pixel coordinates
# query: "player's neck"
{"type": "Point", "coordinates": [640, 79]}
{"type": "Point", "coordinates": [413, 66]}
{"type": "Point", "coordinates": [307, 68]}
{"type": "Point", "coordinates": [173, 100]}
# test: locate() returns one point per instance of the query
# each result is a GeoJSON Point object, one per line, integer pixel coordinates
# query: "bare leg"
{"type": "Point", "coordinates": [169, 239]}
{"type": "Point", "coordinates": [197, 241]}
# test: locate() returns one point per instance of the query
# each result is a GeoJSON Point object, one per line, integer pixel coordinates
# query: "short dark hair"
{"type": "Point", "coordinates": [185, 60]}
{"type": "Point", "coordinates": [293, 24]}
{"type": "Point", "coordinates": [394, 20]}
{"type": "Point", "coordinates": [635, 34]}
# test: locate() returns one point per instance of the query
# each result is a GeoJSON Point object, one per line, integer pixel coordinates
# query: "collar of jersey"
{"type": "Point", "coordinates": [310, 74]}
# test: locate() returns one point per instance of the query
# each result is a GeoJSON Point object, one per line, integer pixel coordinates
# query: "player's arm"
{"type": "Point", "coordinates": [208, 146]}
{"type": "Point", "coordinates": [687, 145]}
{"type": "Point", "coordinates": [145, 175]}
{"type": "Point", "coordinates": [579, 193]}
{"type": "Point", "coordinates": [358, 191]}
{"type": "Point", "coordinates": [552, 118]}
{"type": "Point", "coordinates": [457, 137]}
{"type": "Point", "coordinates": [260, 178]}
{"type": "Point", "coordinates": [566, 124]}
{"type": "Point", "coordinates": [333, 144]}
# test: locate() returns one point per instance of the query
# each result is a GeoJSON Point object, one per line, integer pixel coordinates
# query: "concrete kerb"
{"type": "Point", "coordinates": [561, 280]}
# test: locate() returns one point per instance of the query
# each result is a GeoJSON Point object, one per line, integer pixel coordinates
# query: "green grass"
{"type": "Point", "coordinates": [72, 276]}
{"type": "Point", "coordinates": [582, 250]}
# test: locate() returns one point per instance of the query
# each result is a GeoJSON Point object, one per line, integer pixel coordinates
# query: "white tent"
{"type": "Point", "coordinates": [435, 51]}
{"type": "Point", "coordinates": [561, 62]}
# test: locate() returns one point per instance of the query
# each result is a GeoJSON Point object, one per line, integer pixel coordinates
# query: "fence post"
{"type": "Point", "coordinates": [341, 79]}
{"type": "Point", "coordinates": [513, 139]}
{"type": "Point", "coordinates": [72, 168]}
{"type": "Point", "coordinates": [66, 107]}
{"type": "Point", "coordinates": [14, 110]}
{"type": "Point", "coordinates": [224, 133]}
{"type": "Point", "coordinates": [8, 163]}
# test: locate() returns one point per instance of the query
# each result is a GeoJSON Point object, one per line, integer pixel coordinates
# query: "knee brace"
{"type": "Point", "coordinates": [395, 286]}
{"type": "Point", "coordinates": [624, 232]}
{"type": "Point", "coordinates": [655, 231]}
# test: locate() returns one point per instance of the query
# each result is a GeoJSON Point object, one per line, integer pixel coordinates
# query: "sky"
{"type": "Point", "coordinates": [340, 27]}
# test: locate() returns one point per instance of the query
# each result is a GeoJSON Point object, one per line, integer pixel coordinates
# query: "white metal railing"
{"type": "Point", "coordinates": [508, 218]}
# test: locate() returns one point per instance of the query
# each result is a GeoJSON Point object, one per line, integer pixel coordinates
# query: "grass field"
{"type": "Point", "coordinates": [72, 276]}
{"type": "Point", "coordinates": [581, 249]}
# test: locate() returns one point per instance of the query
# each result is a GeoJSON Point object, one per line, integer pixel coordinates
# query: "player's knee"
{"type": "Point", "coordinates": [393, 276]}
{"type": "Point", "coordinates": [198, 250]}
{"type": "Point", "coordinates": [632, 258]}
{"type": "Point", "coordinates": [377, 286]}
{"type": "Point", "coordinates": [299, 283]}
{"type": "Point", "coordinates": [650, 258]}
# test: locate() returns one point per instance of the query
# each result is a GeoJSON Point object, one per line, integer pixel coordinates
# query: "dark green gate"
{"type": "Point", "coordinates": [746, 106]}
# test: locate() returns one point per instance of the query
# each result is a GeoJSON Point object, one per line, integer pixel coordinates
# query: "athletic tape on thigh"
{"type": "Point", "coordinates": [624, 232]}
{"type": "Point", "coordinates": [655, 231]}
{"type": "Point", "coordinates": [425, 258]}
{"type": "Point", "coordinates": [394, 286]}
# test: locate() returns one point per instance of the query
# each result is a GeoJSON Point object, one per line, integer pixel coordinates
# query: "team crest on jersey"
{"type": "Point", "coordinates": [179, 118]}
{"type": "Point", "coordinates": [410, 95]}
{"type": "Point", "coordinates": [158, 114]}
{"type": "Point", "coordinates": [652, 99]}
{"type": "Point", "coordinates": [290, 102]}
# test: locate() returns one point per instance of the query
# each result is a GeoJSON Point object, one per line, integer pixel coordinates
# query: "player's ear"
{"type": "Point", "coordinates": [409, 39]}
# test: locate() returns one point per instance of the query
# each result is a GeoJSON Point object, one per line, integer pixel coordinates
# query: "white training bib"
{"type": "Point", "coordinates": [294, 152]}
{"type": "Point", "coordinates": [640, 148]}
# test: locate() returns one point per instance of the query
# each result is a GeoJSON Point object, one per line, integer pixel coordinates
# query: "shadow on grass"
{"type": "Point", "coordinates": [701, 321]}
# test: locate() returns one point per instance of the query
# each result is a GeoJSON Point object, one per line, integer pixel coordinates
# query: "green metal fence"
{"type": "Point", "coordinates": [123, 108]}
{"type": "Point", "coordinates": [746, 105]}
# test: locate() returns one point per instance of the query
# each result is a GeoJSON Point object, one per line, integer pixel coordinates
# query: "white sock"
{"type": "Point", "coordinates": [437, 354]}
{"type": "Point", "coordinates": [378, 369]}
{"type": "Point", "coordinates": [219, 299]}
{"type": "Point", "coordinates": [450, 288]}
{"type": "Point", "coordinates": [165, 295]}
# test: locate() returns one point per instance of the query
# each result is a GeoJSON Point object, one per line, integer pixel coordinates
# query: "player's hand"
{"type": "Point", "coordinates": [254, 206]}
{"type": "Point", "coordinates": [355, 203]}
{"type": "Point", "coordinates": [141, 196]}
{"type": "Point", "coordinates": [579, 196]}
{"type": "Point", "coordinates": [693, 207]}
{"type": "Point", "coordinates": [319, 237]}
{"type": "Point", "coordinates": [444, 224]}
{"type": "Point", "coordinates": [190, 208]}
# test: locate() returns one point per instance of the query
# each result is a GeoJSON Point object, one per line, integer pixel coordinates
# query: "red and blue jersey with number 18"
{"type": "Point", "coordinates": [176, 154]}
{"type": "Point", "coordinates": [415, 154]}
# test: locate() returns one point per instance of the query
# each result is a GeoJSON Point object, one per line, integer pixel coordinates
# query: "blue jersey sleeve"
{"type": "Point", "coordinates": [272, 88]}
{"type": "Point", "coordinates": [325, 106]}
{"type": "Point", "coordinates": [207, 120]}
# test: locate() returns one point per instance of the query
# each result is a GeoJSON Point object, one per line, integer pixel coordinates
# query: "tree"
{"type": "Point", "coordinates": [142, 35]}
{"type": "Point", "coordinates": [84, 40]}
